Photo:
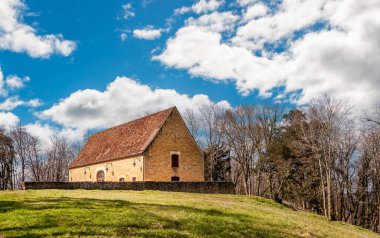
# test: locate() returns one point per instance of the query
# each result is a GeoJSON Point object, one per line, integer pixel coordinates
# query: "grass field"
{"type": "Point", "coordinates": [96, 213]}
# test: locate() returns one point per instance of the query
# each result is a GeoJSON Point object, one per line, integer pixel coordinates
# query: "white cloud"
{"type": "Point", "coordinates": [128, 11]}
{"type": "Point", "coordinates": [246, 2]}
{"type": "Point", "coordinates": [182, 10]}
{"type": "Point", "coordinates": [34, 103]}
{"type": "Point", "coordinates": [215, 21]}
{"type": "Point", "coordinates": [11, 82]}
{"type": "Point", "coordinates": [8, 120]}
{"type": "Point", "coordinates": [291, 16]}
{"type": "Point", "coordinates": [3, 92]}
{"type": "Point", "coordinates": [254, 11]}
{"type": "Point", "coordinates": [12, 102]}
{"type": "Point", "coordinates": [123, 37]}
{"type": "Point", "coordinates": [15, 82]}
{"type": "Point", "coordinates": [17, 36]}
{"type": "Point", "coordinates": [201, 6]}
{"type": "Point", "coordinates": [207, 5]}
{"type": "Point", "coordinates": [45, 132]}
{"type": "Point", "coordinates": [42, 131]}
{"type": "Point", "coordinates": [340, 60]}
{"type": "Point", "coordinates": [147, 33]}
{"type": "Point", "coordinates": [123, 100]}
{"type": "Point", "coordinates": [203, 54]}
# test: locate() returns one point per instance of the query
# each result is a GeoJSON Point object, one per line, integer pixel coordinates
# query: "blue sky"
{"type": "Point", "coordinates": [101, 55]}
{"type": "Point", "coordinates": [198, 52]}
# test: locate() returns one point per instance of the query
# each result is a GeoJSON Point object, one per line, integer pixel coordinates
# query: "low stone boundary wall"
{"type": "Point", "coordinates": [193, 187]}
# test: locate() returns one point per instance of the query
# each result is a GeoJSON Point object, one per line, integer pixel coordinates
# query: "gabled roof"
{"type": "Point", "coordinates": [126, 140]}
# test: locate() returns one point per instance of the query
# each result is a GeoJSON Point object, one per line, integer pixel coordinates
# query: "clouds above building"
{"type": "Point", "coordinates": [313, 47]}
{"type": "Point", "coordinates": [123, 100]}
{"type": "Point", "coordinates": [249, 50]}
{"type": "Point", "coordinates": [17, 36]}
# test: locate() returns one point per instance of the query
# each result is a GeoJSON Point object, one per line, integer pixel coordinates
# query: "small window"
{"type": "Point", "coordinates": [175, 179]}
{"type": "Point", "coordinates": [175, 161]}
{"type": "Point", "coordinates": [134, 179]}
{"type": "Point", "coordinates": [121, 179]}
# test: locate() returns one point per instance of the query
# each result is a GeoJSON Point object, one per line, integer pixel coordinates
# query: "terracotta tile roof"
{"type": "Point", "coordinates": [126, 140]}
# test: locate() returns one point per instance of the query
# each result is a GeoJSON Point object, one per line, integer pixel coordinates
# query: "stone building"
{"type": "Point", "coordinates": [158, 147]}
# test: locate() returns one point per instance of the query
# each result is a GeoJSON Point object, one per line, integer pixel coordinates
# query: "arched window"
{"type": "Point", "coordinates": [121, 179]}
{"type": "Point", "coordinates": [100, 176]}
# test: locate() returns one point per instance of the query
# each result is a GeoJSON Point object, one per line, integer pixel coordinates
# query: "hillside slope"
{"type": "Point", "coordinates": [157, 214]}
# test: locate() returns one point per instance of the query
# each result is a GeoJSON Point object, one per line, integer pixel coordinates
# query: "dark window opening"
{"type": "Point", "coordinates": [121, 180]}
{"type": "Point", "coordinates": [175, 160]}
{"type": "Point", "coordinates": [134, 179]}
{"type": "Point", "coordinates": [175, 179]}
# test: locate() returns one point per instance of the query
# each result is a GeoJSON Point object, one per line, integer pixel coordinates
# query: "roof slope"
{"type": "Point", "coordinates": [126, 140]}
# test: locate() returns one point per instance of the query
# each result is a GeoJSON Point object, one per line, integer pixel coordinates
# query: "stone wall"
{"type": "Point", "coordinates": [174, 138]}
{"type": "Point", "coordinates": [193, 187]}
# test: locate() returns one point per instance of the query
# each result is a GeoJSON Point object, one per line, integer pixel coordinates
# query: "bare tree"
{"type": "Point", "coordinates": [193, 122]}
{"type": "Point", "coordinates": [267, 121]}
{"type": "Point", "coordinates": [58, 158]}
{"type": "Point", "coordinates": [34, 160]}
{"type": "Point", "coordinates": [328, 120]}
{"type": "Point", "coordinates": [20, 136]}
{"type": "Point", "coordinates": [239, 127]}
{"type": "Point", "coordinates": [367, 210]}
{"type": "Point", "coordinates": [373, 117]}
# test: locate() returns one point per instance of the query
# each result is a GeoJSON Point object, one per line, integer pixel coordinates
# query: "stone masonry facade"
{"type": "Point", "coordinates": [174, 138]}
{"type": "Point", "coordinates": [127, 169]}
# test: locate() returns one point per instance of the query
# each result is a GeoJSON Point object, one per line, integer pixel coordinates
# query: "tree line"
{"type": "Point", "coordinates": [24, 158]}
{"type": "Point", "coordinates": [323, 158]}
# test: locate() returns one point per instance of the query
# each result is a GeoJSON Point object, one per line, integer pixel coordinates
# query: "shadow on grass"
{"type": "Point", "coordinates": [94, 217]}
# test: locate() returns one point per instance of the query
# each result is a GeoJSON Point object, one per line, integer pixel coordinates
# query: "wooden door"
{"type": "Point", "coordinates": [100, 176]}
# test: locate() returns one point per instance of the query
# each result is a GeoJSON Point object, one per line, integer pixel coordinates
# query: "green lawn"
{"type": "Point", "coordinates": [96, 213]}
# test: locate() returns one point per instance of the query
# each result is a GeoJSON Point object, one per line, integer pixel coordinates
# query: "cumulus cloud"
{"type": "Point", "coordinates": [316, 47]}
{"type": "Point", "coordinates": [291, 16]}
{"type": "Point", "coordinates": [8, 120]}
{"type": "Point", "coordinates": [148, 33]}
{"type": "Point", "coordinates": [17, 36]}
{"type": "Point", "coordinates": [123, 100]}
{"type": "Point", "coordinates": [201, 6]}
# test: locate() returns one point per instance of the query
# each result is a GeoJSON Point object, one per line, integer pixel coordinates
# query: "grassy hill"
{"type": "Point", "coordinates": [157, 214]}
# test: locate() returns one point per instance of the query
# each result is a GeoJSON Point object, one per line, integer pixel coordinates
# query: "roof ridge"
{"type": "Point", "coordinates": [137, 119]}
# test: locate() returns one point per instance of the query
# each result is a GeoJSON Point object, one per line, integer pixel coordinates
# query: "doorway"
{"type": "Point", "coordinates": [100, 176]}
